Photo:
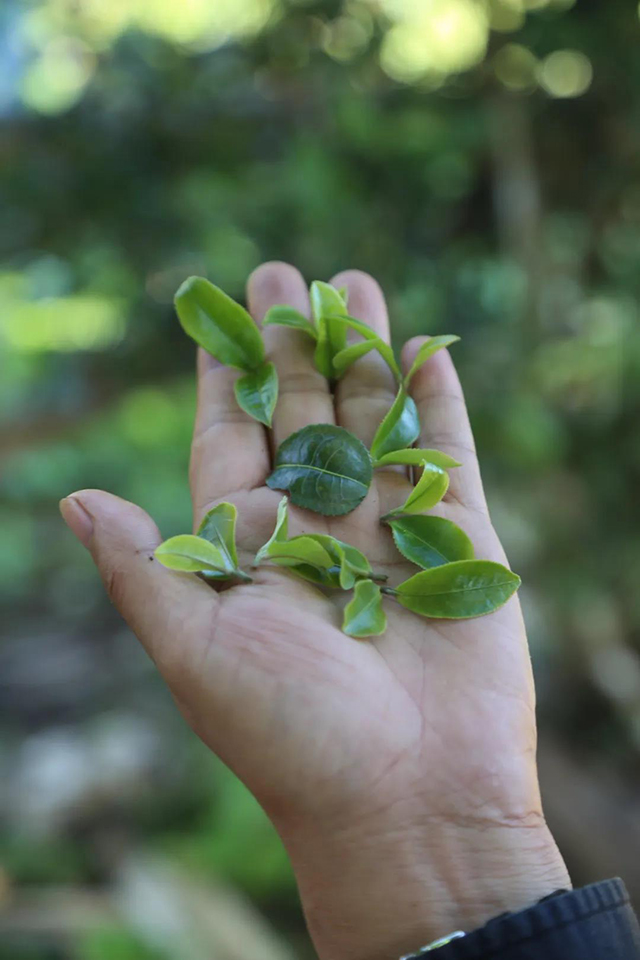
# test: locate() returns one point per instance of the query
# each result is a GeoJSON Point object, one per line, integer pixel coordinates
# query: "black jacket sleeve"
{"type": "Point", "coordinates": [594, 923]}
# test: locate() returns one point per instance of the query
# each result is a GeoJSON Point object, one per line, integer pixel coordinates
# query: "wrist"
{"type": "Point", "coordinates": [374, 894]}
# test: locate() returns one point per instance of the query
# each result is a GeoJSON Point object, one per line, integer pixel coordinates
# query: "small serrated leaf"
{"type": "Point", "coordinates": [364, 616]}
{"type": "Point", "coordinates": [414, 456]}
{"type": "Point", "coordinates": [399, 429]}
{"type": "Point", "coordinates": [190, 554]}
{"type": "Point", "coordinates": [299, 550]}
{"type": "Point", "coordinates": [285, 316]}
{"type": "Point", "coordinates": [219, 527]}
{"type": "Point", "coordinates": [257, 393]}
{"type": "Point", "coordinates": [280, 533]}
{"type": "Point", "coordinates": [430, 541]}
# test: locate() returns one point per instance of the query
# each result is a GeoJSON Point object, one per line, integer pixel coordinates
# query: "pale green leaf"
{"type": "Point", "coordinates": [257, 393]}
{"type": "Point", "coordinates": [218, 324]}
{"type": "Point", "coordinates": [414, 456]}
{"type": "Point", "coordinates": [299, 550]}
{"type": "Point", "coordinates": [285, 316]}
{"type": "Point", "coordinates": [219, 528]}
{"type": "Point", "coordinates": [383, 348]}
{"type": "Point", "coordinates": [345, 358]}
{"type": "Point", "coordinates": [364, 616]}
{"type": "Point", "coordinates": [427, 350]}
{"type": "Point", "coordinates": [281, 530]}
{"type": "Point", "coordinates": [191, 554]}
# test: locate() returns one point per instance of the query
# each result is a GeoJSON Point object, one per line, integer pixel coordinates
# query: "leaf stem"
{"type": "Point", "coordinates": [378, 577]}
{"type": "Point", "coordinates": [389, 591]}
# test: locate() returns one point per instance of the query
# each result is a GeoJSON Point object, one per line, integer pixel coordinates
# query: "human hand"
{"type": "Point", "coordinates": [400, 773]}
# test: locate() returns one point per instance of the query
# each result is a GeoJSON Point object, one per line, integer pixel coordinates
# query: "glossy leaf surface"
{"type": "Point", "coordinates": [219, 324]}
{"type": "Point", "coordinates": [383, 348]}
{"type": "Point", "coordinates": [458, 591]}
{"type": "Point", "coordinates": [325, 469]}
{"type": "Point", "coordinates": [430, 541]}
{"type": "Point", "coordinates": [399, 429]}
{"type": "Point", "coordinates": [257, 393]}
{"type": "Point", "coordinates": [414, 456]}
{"type": "Point", "coordinates": [285, 316]}
{"type": "Point", "coordinates": [364, 616]}
{"type": "Point", "coordinates": [191, 554]}
{"type": "Point", "coordinates": [427, 350]}
{"type": "Point", "coordinates": [429, 490]}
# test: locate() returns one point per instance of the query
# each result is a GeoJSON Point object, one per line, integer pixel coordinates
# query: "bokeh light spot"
{"type": "Point", "coordinates": [565, 73]}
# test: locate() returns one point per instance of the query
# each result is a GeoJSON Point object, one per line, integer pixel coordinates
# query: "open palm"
{"type": "Point", "coordinates": [432, 723]}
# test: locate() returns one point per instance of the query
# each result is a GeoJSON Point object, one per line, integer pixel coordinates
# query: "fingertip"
{"type": "Point", "coordinates": [116, 519]}
{"type": "Point", "coordinates": [276, 282]}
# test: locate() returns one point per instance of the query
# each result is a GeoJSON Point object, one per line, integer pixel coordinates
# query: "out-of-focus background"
{"type": "Point", "coordinates": [482, 159]}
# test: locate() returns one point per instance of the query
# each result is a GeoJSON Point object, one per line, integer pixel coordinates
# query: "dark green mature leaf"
{"type": "Point", "coordinates": [383, 348]}
{"type": "Point", "coordinates": [399, 429]}
{"type": "Point", "coordinates": [219, 324]}
{"type": "Point", "coordinates": [191, 554]}
{"type": "Point", "coordinates": [458, 591]}
{"type": "Point", "coordinates": [427, 350]}
{"type": "Point", "coordinates": [364, 616]}
{"type": "Point", "coordinates": [219, 528]}
{"type": "Point", "coordinates": [257, 393]}
{"type": "Point", "coordinates": [429, 490]}
{"type": "Point", "coordinates": [285, 316]}
{"type": "Point", "coordinates": [327, 302]}
{"type": "Point", "coordinates": [280, 533]}
{"type": "Point", "coordinates": [299, 550]}
{"type": "Point", "coordinates": [414, 456]}
{"type": "Point", "coordinates": [325, 469]}
{"type": "Point", "coordinates": [430, 541]}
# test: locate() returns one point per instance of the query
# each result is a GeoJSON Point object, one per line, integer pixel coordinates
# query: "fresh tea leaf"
{"type": "Point", "coordinates": [414, 456]}
{"type": "Point", "coordinates": [429, 490]}
{"type": "Point", "coordinates": [364, 616]}
{"type": "Point", "coordinates": [459, 590]}
{"type": "Point", "coordinates": [299, 550]}
{"type": "Point", "coordinates": [325, 469]}
{"type": "Point", "coordinates": [430, 541]}
{"type": "Point", "coordinates": [427, 350]}
{"type": "Point", "coordinates": [352, 565]}
{"type": "Point", "coordinates": [257, 393]}
{"type": "Point", "coordinates": [383, 348]}
{"type": "Point", "coordinates": [219, 324]}
{"type": "Point", "coordinates": [326, 302]}
{"type": "Point", "coordinates": [285, 316]}
{"type": "Point", "coordinates": [191, 554]}
{"type": "Point", "coordinates": [219, 528]}
{"type": "Point", "coordinates": [399, 429]}
{"type": "Point", "coordinates": [280, 533]}
{"type": "Point", "coordinates": [345, 358]}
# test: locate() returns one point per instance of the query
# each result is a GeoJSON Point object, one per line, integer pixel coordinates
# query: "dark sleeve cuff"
{"type": "Point", "coordinates": [594, 923]}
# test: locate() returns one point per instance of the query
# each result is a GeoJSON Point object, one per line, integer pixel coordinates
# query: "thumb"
{"type": "Point", "coordinates": [156, 603]}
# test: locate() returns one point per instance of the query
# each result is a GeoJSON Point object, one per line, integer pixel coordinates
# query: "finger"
{"type": "Point", "coordinates": [229, 451]}
{"type": "Point", "coordinates": [160, 606]}
{"type": "Point", "coordinates": [445, 423]}
{"type": "Point", "coordinates": [304, 396]}
{"type": "Point", "coordinates": [367, 390]}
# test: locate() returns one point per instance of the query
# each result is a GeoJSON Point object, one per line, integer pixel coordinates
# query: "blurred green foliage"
{"type": "Point", "coordinates": [478, 156]}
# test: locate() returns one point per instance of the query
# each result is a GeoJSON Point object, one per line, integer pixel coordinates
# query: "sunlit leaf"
{"type": "Point", "coordinates": [458, 591]}
{"type": "Point", "coordinates": [364, 616]}
{"type": "Point", "coordinates": [325, 469]}
{"type": "Point", "coordinates": [399, 429]}
{"type": "Point", "coordinates": [257, 393]}
{"type": "Point", "coordinates": [429, 490]}
{"type": "Point", "coordinates": [414, 456]}
{"type": "Point", "coordinates": [285, 316]}
{"type": "Point", "coordinates": [430, 541]}
{"type": "Point", "coordinates": [281, 531]}
{"type": "Point", "coordinates": [427, 350]}
{"type": "Point", "coordinates": [191, 554]}
{"type": "Point", "coordinates": [219, 324]}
